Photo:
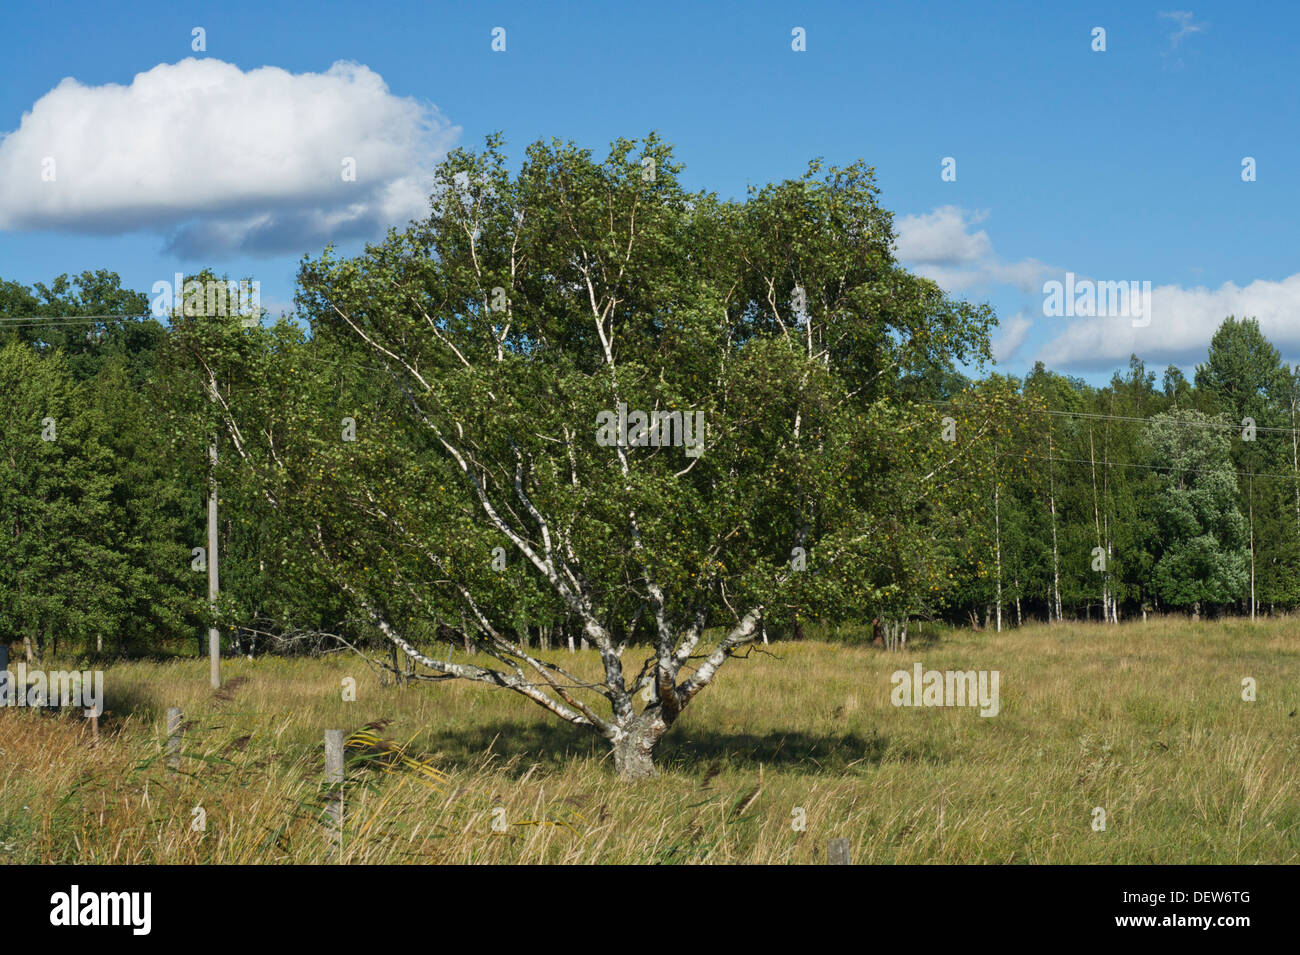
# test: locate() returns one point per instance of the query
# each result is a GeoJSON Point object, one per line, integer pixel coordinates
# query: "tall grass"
{"type": "Point", "coordinates": [1145, 721]}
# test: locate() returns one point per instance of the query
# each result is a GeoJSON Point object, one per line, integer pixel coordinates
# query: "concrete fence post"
{"type": "Point", "coordinates": [173, 738]}
{"type": "Point", "coordinates": [837, 852]}
{"type": "Point", "coordinates": [334, 793]}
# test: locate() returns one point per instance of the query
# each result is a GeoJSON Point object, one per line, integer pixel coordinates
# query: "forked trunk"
{"type": "Point", "coordinates": [634, 750]}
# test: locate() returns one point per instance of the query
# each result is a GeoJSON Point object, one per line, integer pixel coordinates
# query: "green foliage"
{"type": "Point", "coordinates": [473, 353]}
{"type": "Point", "coordinates": [1202, 536]}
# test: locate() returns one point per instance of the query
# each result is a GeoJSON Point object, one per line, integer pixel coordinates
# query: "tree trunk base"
{"type": "Point", "coordinates": [632, 765]}
{"type": "Point", "coordinates": [634, 752]}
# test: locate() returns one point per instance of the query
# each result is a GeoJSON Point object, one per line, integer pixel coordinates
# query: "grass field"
{"type": "Point", "coordinates": [1145, 721]}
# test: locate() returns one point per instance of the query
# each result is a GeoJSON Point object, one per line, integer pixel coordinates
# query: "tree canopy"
{"type": "Point", "coordinates": [578, 400]}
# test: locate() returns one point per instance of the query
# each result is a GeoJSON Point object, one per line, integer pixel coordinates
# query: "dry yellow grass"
{"type": "Point", "coordinates": [1145, 721]}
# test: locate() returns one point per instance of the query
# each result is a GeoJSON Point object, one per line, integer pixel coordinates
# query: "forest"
{"type": "Point", "coordinates": [906, 490]}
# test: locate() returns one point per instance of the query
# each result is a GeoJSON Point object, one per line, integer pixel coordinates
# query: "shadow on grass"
{"type": "Point", "coordinates": [121, 703]}
{"type": "Point", "coordinates": [684, 749]}
{"type": "Point", "coordinates": [517, 745]}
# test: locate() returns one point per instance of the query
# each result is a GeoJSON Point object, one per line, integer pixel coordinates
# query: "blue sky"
{"type": "Point", "coordinates": [1122, 165]}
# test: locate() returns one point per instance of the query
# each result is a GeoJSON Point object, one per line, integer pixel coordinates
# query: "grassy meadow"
{"type": "Point", "coordinates": [1145, 720]}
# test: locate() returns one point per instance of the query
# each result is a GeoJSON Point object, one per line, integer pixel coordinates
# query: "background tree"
{"type": "Point", "coordinates": [1202, 558]}
{"type": "Point", "coordinates": [1244, 378]}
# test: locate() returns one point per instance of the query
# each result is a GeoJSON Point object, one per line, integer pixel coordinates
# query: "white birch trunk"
{"type": "Point", "coordinates": [997, 547]}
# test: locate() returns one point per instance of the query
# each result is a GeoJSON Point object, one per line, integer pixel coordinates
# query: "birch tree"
{"type": "Point", "coordinates": [641, 408]}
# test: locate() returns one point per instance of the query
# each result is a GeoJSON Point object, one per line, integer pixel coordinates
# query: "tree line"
{"type": "Point", "coordinates": [412, 461]}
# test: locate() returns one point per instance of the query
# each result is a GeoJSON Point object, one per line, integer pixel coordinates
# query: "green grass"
{"type": "Point", "coordinates": [1145, 721]}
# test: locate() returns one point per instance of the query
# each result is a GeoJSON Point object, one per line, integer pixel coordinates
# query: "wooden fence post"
{"type": "Point", "coordinates": [837, 852]}
{"type": "Point", "coordinates": [173, 738]}
{"type": "Point", "coordinates": [334, 794]}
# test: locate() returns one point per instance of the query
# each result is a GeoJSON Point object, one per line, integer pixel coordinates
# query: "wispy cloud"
{"type": "Point", "coordinates": [1185, 27]}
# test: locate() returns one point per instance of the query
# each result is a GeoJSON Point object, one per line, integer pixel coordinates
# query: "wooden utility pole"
{"type": "Point", "coordinates": [214, 640]}
{"type": "Point", "coordinates": [1113, 610]}
{"type": "Point", "coordinates": [1295, 444]}
{"type": "Point", "coordinates": [1251, 493]}
{"type": "Point", "coordinates": [1056, 557]}
{"type": "Point", "coordinates": [1096, 516]}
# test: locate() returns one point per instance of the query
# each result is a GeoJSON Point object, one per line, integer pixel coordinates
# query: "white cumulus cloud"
{"type": "Point", "coordinates": [944, 245]}
{"type": "Point", "coordinates": [221, 160]}
{"type": "Point", "coordinates": [1182, 323]}
{"type": "Point", "coordinates": [1014, 331]}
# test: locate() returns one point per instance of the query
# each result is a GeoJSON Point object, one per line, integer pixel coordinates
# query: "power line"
{"type": "Point", "coordinates": [23, 319]}
{"type": "Point", "coordinates": [18, 321]}
{"type": "Point", "coordinates": [347, 364]}
{"type": "Point", "coordinates": [73, 320]}
{"type": "Point", "coordinates": [1225, 426]}
{"type": "Point", "coordinates": [1179, 422]}
{"type": "Point", "coordinates": [1149, 467]}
